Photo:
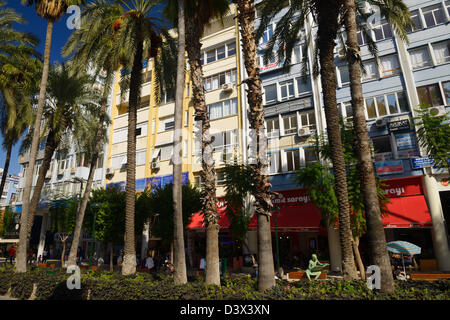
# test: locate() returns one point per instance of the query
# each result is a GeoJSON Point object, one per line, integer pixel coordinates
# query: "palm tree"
{"type": "Point", "coordinates": [180, 275]}
{"type": "Point", "coordinates": [69, 103]}
{"type": "Point", "coordinates": [137, 35]}
{"type": "Point", "coordinates": [263, 203]}
{"type": "Point", "coordinates": [397, 13]}
{"type": "Point", "coordinates": [19, 71]}
{"type": "Point", "coordinates": [286, 33]}
{"type": "Point", "coordinates": [50, 10]}
{"type": "Point", "coordinates": [200, 12]}
{"type": "Point", "coordinates": [92, 47]}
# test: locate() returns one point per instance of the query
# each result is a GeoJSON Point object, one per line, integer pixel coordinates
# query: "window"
{"type": "Point", "coordinates": [220, 178]}
{"type": "Point", "coordinates": [347, 108]}
{"type": "Point", "coordinates": [168, 96]}
{"type": "Point", "coordinates": [118, 161]}
{"type": "Point", "coordinates": [287, 90]}
{"type": "Point", "coordinates": [382, 144]}
{"type": "Point", "coordinates": [299, 53]}
{"type": "Point", "coordinates": [293, 159]}
{"type": "Point", "coordinates": [308, 119]}
{"type": "Point", "coordinates": [223, 109]}
{"type": "Point", "coordinates": [370, 68]}
{"type": "Point", "coordinates": [415, 17]}
{"type": "Point", "coordinates": [267, 35]}
{"type": "Point", "coordinates": [430, 95]}
{"type": "Point", "coordinates": [290, 123]}
{"type": "Point", "coordinates": [224, 139]}
{"type": "Point", "coordinates": [275, 162]}
{"type": "Point", "coordinates": [273, 126]}
{"type": "Point", "coordinates": [442, 52]}
{"type": "Point", "coordinates": [343, 72]}
{"type": "Point", "coordinates": [383, 31]}
{"type": "Point", "coordinates": [140, 157]}
{"type": "Point", "coordinates": [166, 152]}
{"type": "Point", "coordinates": [186, 118]}
{"type": "Point", "coordinates": [100, 161]}
{"type": "Point", "coordinates": [224, 51]}
{"type": "Point", "coordinates": [167, 123]}
{"type": "Point", "coordinates": [310, 155]}
{"type": "Point", "coordinates": [270, 93]}
{"type": "Point", "coordinates": [303, 85]}
{"type": "Point", "coordinates": [362, 38]}
{"type": "Point", "coordinates": [387, 104]}
{"type": "Point", "coordinates": [446, 87]}
{"type": "Point", "coordinates": [216, 81]}
{"type": "Point", "coordinates": [231, 49]}
{"type": "Point", "coordinates": [433, 15]}
{"type": "Point", "coordinates": [271, 62]}
{"type": "Point", "coordinates": [146, 77]}
{"type": "Point", "coordinates": [390, 66]}
{"type": "Point", "coordinates": [420, 58]}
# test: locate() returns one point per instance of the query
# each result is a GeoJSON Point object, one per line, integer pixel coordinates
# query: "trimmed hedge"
{"type": "Point", "coordinates": [144, 286]}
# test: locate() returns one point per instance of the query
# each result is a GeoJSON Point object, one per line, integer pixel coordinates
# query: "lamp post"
{"type": "Point", "coordinates": [276, 212]}
{"type": "Point", "coordinates": [94, 205]}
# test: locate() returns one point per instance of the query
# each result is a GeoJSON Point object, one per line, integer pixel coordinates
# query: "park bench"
{"type": "Point", "coordinates": [430, 276]}
{"type": "Point", "coordinates": [297, 275]}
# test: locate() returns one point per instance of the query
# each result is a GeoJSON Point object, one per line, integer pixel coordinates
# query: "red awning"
{"type": "Point", "coordinates": [407, 212]}
{"type": "Point", "coordinates": [197, 219]}
{"type": "Point", "coordinates": [293, 218]}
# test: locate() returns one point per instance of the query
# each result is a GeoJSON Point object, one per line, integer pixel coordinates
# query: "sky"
{"type": "Point", "coordinates": [38, 27]}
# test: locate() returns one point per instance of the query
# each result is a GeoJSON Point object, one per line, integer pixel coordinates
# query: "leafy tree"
{"type": "Point", "coordinates": [63, 213]}
{"type": "Point", "coordinates": [239, 197]}
{"type": "Point", "coordinates": [434, 136]}
{"type": "Point", "coordinates": [158, 203]}
{"type": "Point", "coordinates": [7, 222]}
{"type": "Point", "coordinates": [108, 207]}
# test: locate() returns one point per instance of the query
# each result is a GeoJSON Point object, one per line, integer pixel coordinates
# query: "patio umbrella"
{"type": "Point", "coordinates": [403, 247]}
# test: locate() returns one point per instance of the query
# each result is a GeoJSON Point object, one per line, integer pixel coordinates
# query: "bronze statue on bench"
{"type": "Point", "coordinates": [315, 267]}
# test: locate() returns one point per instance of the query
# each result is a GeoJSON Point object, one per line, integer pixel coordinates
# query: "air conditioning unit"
{"type": "Point", "coordinates": [227, 87]}
{"type": "Point", "coordinates": [341, 54]}
{"type": "Point", "coordinates": [366, 8]}
{"type": "Point", "coordinates": [381, 123]}
{"type": "Point", "coordinates": [436, 111]}
{"type": "Point", "coordinates": [110, 171]}
{"type": "Point", "coordinates": [155, 165]}
{"type": "Point", "coordinates": [303, 132]}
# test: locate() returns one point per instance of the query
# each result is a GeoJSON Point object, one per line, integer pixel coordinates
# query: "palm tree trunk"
{"type": "Point", "coordinates": [93, 166]}
{"type": "Point", "coordinates": [208, 173]}
{"type": "Point", "coordinates": [263, 203]}
{"type": "Point", "coordinates": [111, 257]}
{"type": "Point", "coordinates": [358, 259]}
{"type": "Point", "coordinates": [63, 252]}
{"type": "Point", "coordinates": [21, 265]}
{"type": "Point", "coordinates": [5, 168]}
{"type": "Point", "coordinates": [129, 261]}
{"type": "Point", "coordinates": [50, 147]}
{"type": "Point", "coordinates": [327, 32]}
{"type": "Point", "coordinates": [180, 275]}
{"type": "Point", "coordinates": [375, 230]}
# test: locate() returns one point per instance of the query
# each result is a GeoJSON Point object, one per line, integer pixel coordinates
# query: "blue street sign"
{"type": "Point", "coordinates": [422, 162]}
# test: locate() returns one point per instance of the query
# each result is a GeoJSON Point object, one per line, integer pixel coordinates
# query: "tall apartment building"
{"type": "Point", "coordinates": [66, 178]}
{"type": "Point", "coordinates": [9, 194]}
{"type": "Point", "coordinates": [405, 75]}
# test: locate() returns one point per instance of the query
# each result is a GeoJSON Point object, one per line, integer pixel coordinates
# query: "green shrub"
{"type": "Point", "coordinates": [143, 286]}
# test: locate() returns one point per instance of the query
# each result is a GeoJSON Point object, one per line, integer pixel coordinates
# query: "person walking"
{"type": "Point", "coordinates": [12, 254]}
{"type": "Point", "coordinates": [149, 263]}
{"type": "Point", "coordinates": [30, 256]}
